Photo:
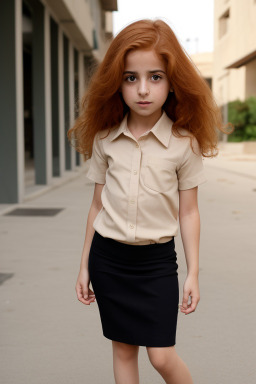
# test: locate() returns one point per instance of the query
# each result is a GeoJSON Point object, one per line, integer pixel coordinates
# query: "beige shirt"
{"type": "Point", "coordinates": [142, 177]}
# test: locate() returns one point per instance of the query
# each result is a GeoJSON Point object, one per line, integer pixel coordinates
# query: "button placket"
{"type": "Point", "coordinates": [133, 193]}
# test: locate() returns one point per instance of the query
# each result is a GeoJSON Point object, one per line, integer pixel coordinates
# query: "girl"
{"type": "Point", "coordinates": [147, 119]}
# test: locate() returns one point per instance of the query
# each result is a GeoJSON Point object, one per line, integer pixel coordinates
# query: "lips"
{"type": "Point", "coordinates": [144, 102]}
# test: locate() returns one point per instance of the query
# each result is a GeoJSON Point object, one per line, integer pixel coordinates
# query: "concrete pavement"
{"type": "Point", "coordinates": [232, 160]}
{"type": "Point", "coordinates": [47, 336]}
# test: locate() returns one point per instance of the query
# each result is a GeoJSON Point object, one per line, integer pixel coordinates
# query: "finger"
{"type": "Point", "coordinates": [79, 291]}
{"type": "Point", "coordinates": [185, 299]}
{"type": "Point", "coordinates": [86, 301]}
{"type": "Point", "coordinates": [189, 310]}
{"type": "Point", "coordinates": [91, 292]}
{"type": "Point", "coordinates": [82, 295]}
{"type": "Point", "coordinates": [86, 296]}
{"type": "Point", "coordinates": [192, 306]}
{"type": "Point", "coordinates": [87, 293]}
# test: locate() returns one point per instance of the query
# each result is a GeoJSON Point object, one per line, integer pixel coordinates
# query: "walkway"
{"type": "Point", "coordinates": [48, 336]}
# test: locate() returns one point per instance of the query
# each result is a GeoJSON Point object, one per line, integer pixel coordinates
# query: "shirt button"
{"type": "Point", "coordinates": [137, 145]}
{"type": "Point", "coordinates": [135, 172]}
{"type": "Point", "coordinates": [132, 201]}
{"type": "Point", "coordinates": [131, 226]}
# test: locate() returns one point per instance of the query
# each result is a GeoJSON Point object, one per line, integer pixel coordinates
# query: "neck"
{"type": "Point", "coordinates": [143, 123]}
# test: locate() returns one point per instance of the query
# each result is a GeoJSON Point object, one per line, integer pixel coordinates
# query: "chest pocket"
{"type": "Point", "coordinates": [159, 174]}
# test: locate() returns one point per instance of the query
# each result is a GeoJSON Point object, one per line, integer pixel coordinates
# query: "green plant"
{"type": "Point", "coordinates": [242, 114]}
{"type": "Point", "coordinates": [252, 110]}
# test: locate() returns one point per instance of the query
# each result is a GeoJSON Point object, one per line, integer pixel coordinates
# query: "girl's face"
{"type": "Point", "coordinates": [145, 85]}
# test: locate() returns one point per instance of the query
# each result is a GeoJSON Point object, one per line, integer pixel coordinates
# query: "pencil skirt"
{"type": "Point", "coordinates": [136, 289]}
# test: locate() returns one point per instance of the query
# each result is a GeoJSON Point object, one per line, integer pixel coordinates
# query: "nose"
{"type": "Point", "coordinates": [143, 88]}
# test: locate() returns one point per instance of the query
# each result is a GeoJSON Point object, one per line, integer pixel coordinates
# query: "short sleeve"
{"type": "Point", "coordinates": [191, 172]}
{"type": "Point", "coordinates": [98, 163]}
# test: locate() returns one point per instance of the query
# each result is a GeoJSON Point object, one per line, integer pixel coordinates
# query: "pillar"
{"type": "Point", "coordinates": [11, 103]}
{"type": "Point", "coordinates": [41, 93]}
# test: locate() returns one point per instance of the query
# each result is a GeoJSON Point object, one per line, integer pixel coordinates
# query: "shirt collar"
{"type": "Point", "coordinates": [122, 128]}
{"type": "Point", "coordinates": [161, 130]}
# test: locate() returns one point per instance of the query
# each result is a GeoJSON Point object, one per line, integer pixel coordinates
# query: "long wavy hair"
{"type": "Point", "coordinates": [191, 105]}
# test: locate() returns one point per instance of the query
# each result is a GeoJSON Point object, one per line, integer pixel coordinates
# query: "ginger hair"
{"type": "Point", "coordinates": [191, 106]}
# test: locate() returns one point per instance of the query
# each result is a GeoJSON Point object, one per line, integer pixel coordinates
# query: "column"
{"type": "Point", "coordinates": [61, 102]}
{"type": "Point", "coordinates": [66, 102]}
{"type": "Point", "coordinates": [11, 103]}
{"type": "Point", "coordinates": [76, 96]}
{"type": "Point", "coordinates": [71, 98]}
{"type": "Point", "coordinates": [81, 85]}
{"type": "Point", "coordinates": [41, 93]}
{"type": "Point", "coordinates": [55, 97]}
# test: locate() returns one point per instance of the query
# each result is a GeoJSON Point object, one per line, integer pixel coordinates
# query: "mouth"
{"type": "Point", "coordinates": [144, 102]}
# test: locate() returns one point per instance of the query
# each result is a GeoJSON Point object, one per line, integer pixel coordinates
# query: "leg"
{"type": "Point", "coordinates": [125, 363]}
{"type": "Point", "coordinates": [170, 366]}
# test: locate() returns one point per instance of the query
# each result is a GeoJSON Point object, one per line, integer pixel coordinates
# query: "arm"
{"type": "Point", "coordinates": [190, 233]}
{"type": "Point", "coordinates": [83, 280]}
{"type": "Point", "coordinates": [93, 212]}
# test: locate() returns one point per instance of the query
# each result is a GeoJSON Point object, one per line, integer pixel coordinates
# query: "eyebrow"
{"type": "Point", "coordinates": [135, 73]}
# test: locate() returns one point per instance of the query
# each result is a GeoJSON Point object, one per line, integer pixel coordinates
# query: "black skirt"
{"type": "Point", "coordinates": [136, 289]}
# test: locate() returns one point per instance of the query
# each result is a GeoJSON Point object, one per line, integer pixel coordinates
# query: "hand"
{"type": "Point", "coordinates": [190, 288]}
{"type": "Point", "coordinates": [84, 293]}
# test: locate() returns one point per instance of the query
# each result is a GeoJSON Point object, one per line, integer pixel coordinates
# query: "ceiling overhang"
{"type": "Point", "coordinates": [109, 5]}
{"type": "Point", "coordinates": [242, 61]}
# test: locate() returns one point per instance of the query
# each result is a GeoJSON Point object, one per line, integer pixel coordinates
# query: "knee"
{"type": "Point", "coordinates": [162, 359]}
{"type": "Point", "coordinates": [160, 363]}
{"type": "Point", "coordinates": [124, 351]}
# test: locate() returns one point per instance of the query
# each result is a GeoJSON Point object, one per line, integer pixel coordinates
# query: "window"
{"type": "Point", "coordinates": [224, 23]}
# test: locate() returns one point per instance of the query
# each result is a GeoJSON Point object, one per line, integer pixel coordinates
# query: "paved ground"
{"type": "Point", "coordinates": [47, 336]}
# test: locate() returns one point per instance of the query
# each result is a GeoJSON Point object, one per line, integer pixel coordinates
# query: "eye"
{"type": "Point", "coordinates": [130, 79]}
{"type": "Point", "coordinates": [156, 77]}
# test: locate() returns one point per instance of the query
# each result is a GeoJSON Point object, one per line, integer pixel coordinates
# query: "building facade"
{"type": "Point", "coordinates": [234, 69]}
{"type": "Point", "coordinates": [204, 63]}
{"type": "Point", "coordinates": [48, 50]}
